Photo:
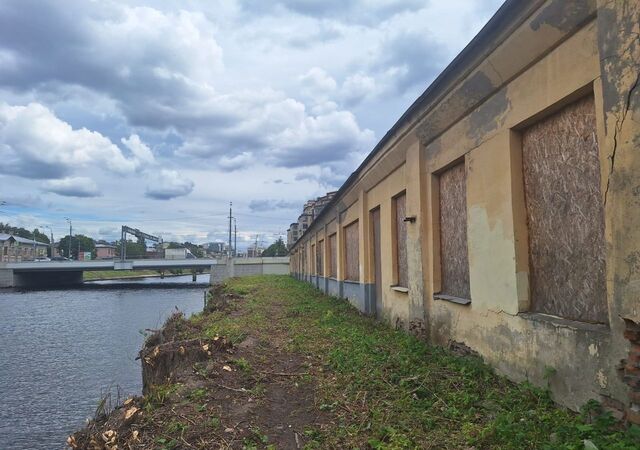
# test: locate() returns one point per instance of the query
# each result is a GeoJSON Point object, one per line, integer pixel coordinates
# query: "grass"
{"type": "Point", "coordinates": [111, 274]}
{"type": "Point", "coordinates": [385, 389]}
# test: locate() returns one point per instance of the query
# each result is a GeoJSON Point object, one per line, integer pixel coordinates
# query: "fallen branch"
{"type": "Point", "coordinates": [284, 374]}
{"type": "Point", "coordinates": [231, 389]}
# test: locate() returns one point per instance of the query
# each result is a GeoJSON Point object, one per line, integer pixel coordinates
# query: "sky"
{"type": "Point", "coordinates": [156, 114]}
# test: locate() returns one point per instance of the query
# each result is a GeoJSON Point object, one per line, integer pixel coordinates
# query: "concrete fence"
{"type": "Point", "coordinates": [45, 275]}
{"type": "Point", "coordinates": [240, 267]}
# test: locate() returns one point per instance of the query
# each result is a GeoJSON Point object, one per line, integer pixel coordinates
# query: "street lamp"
{"type": "Point", "coordinates": [70, 234]}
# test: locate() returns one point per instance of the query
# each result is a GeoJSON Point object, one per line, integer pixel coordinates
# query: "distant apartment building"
{"type": "Point", "coordinates": [105, 251]}
{"type": "Point", "coordinates": [17, 249]}
{"type": "Point", "coordinates": [321, 202]}
{"type": "Point", "coordinates": [311, 210]}
{"type": "Point", "coordinates": [292, 234]}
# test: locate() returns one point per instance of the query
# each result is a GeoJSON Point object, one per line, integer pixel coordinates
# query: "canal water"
{"type": "Point", "coordinates": [61, 350]}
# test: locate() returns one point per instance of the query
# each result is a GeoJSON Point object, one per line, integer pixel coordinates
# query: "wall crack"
{"type": "Point", "coordinates": [617, 129]}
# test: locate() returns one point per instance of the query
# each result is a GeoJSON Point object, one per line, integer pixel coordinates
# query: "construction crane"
{"type": "Point", "coordinates": [137, 233]}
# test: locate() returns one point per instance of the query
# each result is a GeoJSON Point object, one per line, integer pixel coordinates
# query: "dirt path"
{"type": "Point", "coordinates": [249, 393]}
{"type": "Point", "coordinates": [269, 396]}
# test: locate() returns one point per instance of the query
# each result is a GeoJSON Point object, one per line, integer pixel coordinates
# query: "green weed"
{"type": "Point", "coordinates": [385, 389]}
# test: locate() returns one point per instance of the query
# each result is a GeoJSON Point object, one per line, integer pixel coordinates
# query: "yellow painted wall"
{"type": "Point", "coordinates": [547, 57]}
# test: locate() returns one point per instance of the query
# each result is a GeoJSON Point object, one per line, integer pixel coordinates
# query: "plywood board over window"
{"type": "Point", "coordinates": [565, 216]}
{"type": "Point", "coordinates": [454, 257]}
{"type": "Point", "coordinates": [333, 257]}
{"type": "Point", "coordinates": [320, 259]}
{"type": "Point", "coordinates": [352, 252]}
{"type": "Point", "coordinates": [399, 203]}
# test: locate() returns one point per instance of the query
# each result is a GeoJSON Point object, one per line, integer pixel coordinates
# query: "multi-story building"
{"type": "Point", "coordinates": [292, 234]}
{"type": "Point", "coordinates": [105, 251]}
{"type": "Point", "coordinates": [493, 216]}
{"type": "Point", "coordinates": [321, 202]}
{"type": "Point", "coordinates": [311, 210]}
{"type": "Point", "coordinates": [17, 249]}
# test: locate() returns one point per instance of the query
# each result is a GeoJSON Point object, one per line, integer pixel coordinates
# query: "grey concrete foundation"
{"type": "Point", "coordinates": [355, 293]}
{"type": "Point", "coordinates": [333, 287]}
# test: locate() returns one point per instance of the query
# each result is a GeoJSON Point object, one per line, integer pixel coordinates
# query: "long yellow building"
{"type": "Point", "coordinates": [501, 213]}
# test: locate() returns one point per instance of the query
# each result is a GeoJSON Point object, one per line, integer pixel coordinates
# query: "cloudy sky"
{"type": "Point", "coordinates": [156, 114]}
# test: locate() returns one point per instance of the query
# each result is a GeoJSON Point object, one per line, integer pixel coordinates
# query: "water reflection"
{"type": "Point", "coordinates": [59, 349]}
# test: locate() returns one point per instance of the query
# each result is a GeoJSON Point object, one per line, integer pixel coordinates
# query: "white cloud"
{"type": "Point", "coordinates": [236, 162]}
{"type": "Point", "coordinates": [317, 83]}
{"type": "Point", "coordinates": [320, 139]}
{"type": "Point", "coordinates": [168, 184]}
{"type": "Point", "coordinates": [121, 91]}
{"type": "Point", "coordinates": [358, 87]}
{"type": "Point", "coordinates": [167, 44]}
{"type": "Point", "coordinates": [34, 143]}
{"type": "Point", "coordinates": [140, 150]}
{"type": "Point", "coordinates": [73, 187]}
{"type": "Point", "coordinates": [324, 108]}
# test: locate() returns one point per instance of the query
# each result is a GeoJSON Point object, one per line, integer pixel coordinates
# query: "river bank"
{"type": "Point", "coordinates": [273, 363]}
{"type": "Point", "coordinates": [98, 275]}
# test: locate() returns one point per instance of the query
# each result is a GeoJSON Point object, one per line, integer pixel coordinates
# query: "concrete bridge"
{"type": "Point", "coordinates": [33, 274]}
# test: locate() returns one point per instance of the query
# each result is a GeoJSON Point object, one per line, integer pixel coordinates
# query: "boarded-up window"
{"type": "Point", "coordinates": [333, 257]}
{"type": "Point", "coordinates": [565, 214]}
{"type": "Point", "coordinates": [351, 252]}
{"type": "Point", "coordinates": [304, 261]}
{"type": "Point", "coordinates": [313, 259]}
{"type": "Point", "coordinates": [320, 259]}
{"type": "Point", "coordinates": [401, 240]}
{"type": "Point", "coordinates": [454, 258]}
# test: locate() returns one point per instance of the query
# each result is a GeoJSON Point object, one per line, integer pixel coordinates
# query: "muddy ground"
{"type": "Point", "coordinates": [209, 392]}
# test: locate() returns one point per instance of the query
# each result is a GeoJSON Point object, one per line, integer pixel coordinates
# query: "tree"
{"type": "Point", "coordinates": [24, 233]}
{"type": "Point", "coordinates": [134, 249]}
{"type": "Point", "coordinates": [278, 248]}
{"type": "Point", "coordinates": [79, 242]}
{"type": "Point", "coordinates": [40, 237]}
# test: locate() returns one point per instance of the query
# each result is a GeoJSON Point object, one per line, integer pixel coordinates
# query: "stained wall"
{"type": "Point", "coordinates": [528, 65]}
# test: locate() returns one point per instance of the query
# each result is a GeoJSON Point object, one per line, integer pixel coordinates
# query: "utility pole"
{"type": "Point", "coordinates": [235, 237]}
{"type": "Point", "coordinates": [230, 217]}
{"type": "Point", "coordinates": [51, 243]}
{"type": "Point", "coordinates": [70, 234]}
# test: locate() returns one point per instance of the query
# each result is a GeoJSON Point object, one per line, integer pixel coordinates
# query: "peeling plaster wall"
{"type": "Point", "coordinates": [497, 323]}
{"type": "Point", "coordinates": [532, 60]}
